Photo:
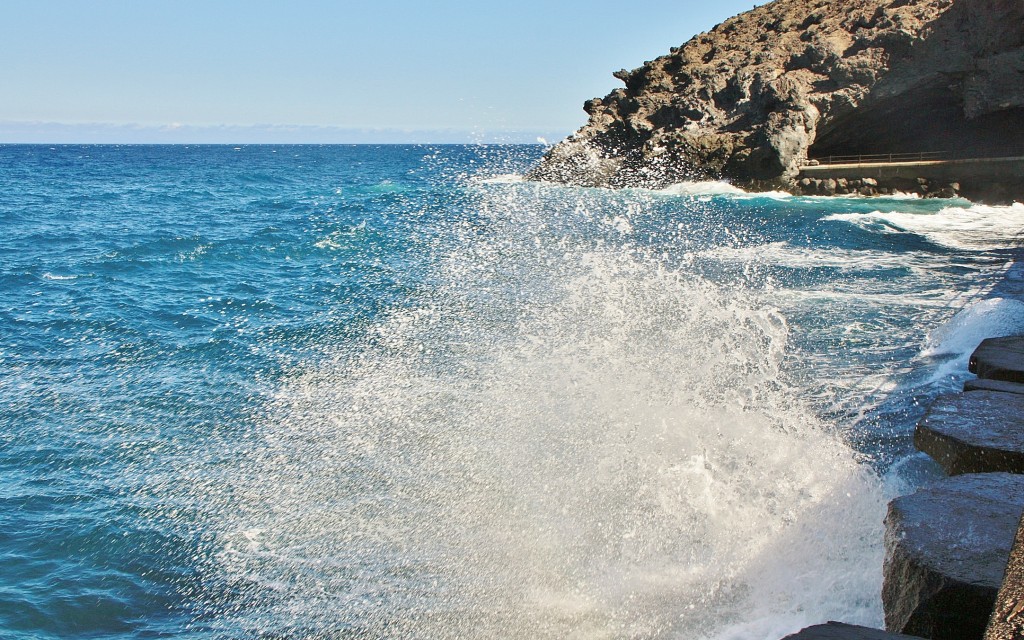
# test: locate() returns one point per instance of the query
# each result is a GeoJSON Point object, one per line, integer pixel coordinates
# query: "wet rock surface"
{"type": "Point", "coordinates": [977, 432]}
{"type": "Point", "coordinates": [841, 631]}
{"type": "Point", "coordinates": [981, 384]}
{"type": "Point", "coordinates": [753, 98]}
{"type": "Point", "coordinates": [999, 359]}
{"type": "Point", "coordinates": [946, 552]}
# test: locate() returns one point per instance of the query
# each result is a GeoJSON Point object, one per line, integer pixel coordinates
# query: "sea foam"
{"type": "Point", "coordinates": [564, 439]}
{"type": "Point", "coordinates": [975, 227]}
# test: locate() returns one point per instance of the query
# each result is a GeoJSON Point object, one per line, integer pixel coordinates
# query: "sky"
{"type": "Point", "coordinates": [312, 71]}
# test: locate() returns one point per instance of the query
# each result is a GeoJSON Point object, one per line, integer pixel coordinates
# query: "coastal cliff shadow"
{"type": "Point", "coordinates": [957, 91]}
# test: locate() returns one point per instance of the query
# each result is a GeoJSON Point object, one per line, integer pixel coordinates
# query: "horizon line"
{"type": "Point", "coordinates": [51, 132]}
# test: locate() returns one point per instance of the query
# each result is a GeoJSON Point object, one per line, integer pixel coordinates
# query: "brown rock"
{"type": "Point", "coordinates": [754, 97]}
{"type": "Point", "coordinates": [1007, 621]}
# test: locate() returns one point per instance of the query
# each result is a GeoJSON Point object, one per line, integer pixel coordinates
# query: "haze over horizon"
{"type": "Point", "coordinates": [316, 71]}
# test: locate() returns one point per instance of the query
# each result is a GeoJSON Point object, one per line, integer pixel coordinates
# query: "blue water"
{"type": "Point", "coordinates": [393, 391]}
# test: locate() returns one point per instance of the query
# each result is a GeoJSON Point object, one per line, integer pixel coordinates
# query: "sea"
{"type": "Point", "coordinates": [289, 392]}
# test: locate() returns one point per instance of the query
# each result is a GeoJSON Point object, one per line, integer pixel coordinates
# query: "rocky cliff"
{"type": "Point", "coordinates": [756, 96]}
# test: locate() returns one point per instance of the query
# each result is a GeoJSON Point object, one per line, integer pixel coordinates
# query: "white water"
{"type": "Point", "coordinates": [974, 227]}
{"type": "Point", "coordinates": [564, 440]}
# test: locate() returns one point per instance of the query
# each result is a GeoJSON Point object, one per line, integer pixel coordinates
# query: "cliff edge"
{"type": "Point", "coordinates": [754, 98]}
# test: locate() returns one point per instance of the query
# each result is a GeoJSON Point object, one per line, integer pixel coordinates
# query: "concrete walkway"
{"type": "Point", "coordinates": [948, 170]}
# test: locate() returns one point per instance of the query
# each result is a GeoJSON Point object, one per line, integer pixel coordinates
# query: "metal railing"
{"type": "Point", "coordinates": [868, 158]}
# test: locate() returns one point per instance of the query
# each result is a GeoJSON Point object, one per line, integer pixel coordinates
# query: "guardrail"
{"type": "Point", "coordinates": [868, 158]}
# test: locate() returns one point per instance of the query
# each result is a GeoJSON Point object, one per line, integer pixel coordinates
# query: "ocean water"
{"type": "Point", "coordinates": [397, 392]}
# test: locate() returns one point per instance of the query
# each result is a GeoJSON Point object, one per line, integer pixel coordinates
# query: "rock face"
{"type": "Point", "coordinates": [1007, 621]}
{"type": "Point", "coordinates": [947, 548]}
{"type": "Point", "coordinates": [760, 93]}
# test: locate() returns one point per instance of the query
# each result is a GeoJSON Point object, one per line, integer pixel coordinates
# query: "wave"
{"type": "Point", "coordinates": [718, 188]}
{"type": "Point", "coordinates": [975, 227]}
{"type": "Point", "coordinates": [957, 338]}
{"type": "Point", "coordinates": [562, 440]}
{"type": "Point", "coordinates": [784, 254]}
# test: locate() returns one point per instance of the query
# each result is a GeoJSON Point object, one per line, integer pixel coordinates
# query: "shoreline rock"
{"type": "Point", "coordinates": [754, 98]}
{"type": "Point", "coordinates": [947, 547]}
{"type": "Point", "coordinates": [842, 631]}
{"type": "Point", "coordinates": [976, 432]}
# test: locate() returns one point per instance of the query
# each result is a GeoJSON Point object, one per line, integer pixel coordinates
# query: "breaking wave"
{"type": "Point", "coordinates": [562, 439]}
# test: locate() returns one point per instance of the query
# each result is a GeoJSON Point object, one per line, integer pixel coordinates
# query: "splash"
{"type": "Point", "coordinates": [564, 438]}
{"type": "Point", "coordinates": [707, 188]}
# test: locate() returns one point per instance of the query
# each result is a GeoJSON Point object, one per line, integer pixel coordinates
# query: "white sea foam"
{"type": "Point", "coordinates": [972, 227]}
{"type": "Point", "coordinates": [957, 338]}
{"type": "Point", "coordinates": [784, 254]}
{"type": "Point", "coordinates": [505, 178]}
{"type": "Point", "coordinates": [702, 188]}
{"type": "Point", "coordinates": [962, 333]}
{"type": "Point", "coordinates": [565, 441]}
{"type": "Point", "coordinates": [709, 188]}
{"type": "Point", "coordinates": [51, 276]}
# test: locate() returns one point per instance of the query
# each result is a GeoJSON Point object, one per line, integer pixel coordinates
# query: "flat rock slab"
{"type": "Point", "coordinates": [999, 359]}
{"type": "Point", "coordinates": [841, 631]}
{"type": "Point", "coordinates": [1007, 622]}
{"type": "Point", "coordinates": [976, 432]}
{"type": "Point", "coordinates": [981, 384]}
{"type": "Point", "coordinates": [946, 551]}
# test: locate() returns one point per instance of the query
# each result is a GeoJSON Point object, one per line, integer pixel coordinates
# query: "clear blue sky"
{"type": "Point", "coordinates": [314, 70]}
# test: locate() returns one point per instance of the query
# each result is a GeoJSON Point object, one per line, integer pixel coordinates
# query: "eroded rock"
{"type": "Point", "coordinates": [752, 98]}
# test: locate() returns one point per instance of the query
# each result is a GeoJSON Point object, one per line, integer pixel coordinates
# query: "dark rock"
{"type": "Point", "coordinates": [974, 432]}
{"type": "Point", "coordinates": [841, 631]}
{"type": "Point", "coordinates": [999, 359]}
{"type": "Point", "coordinates": [1007, 621]}
{"type": "Point", "coordinates": [946, 550]}
{"type": "Point", "coordinates": [981, 384]}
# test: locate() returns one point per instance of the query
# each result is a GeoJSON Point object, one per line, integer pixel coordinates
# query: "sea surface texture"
{"type": "Point", "coordinates": [397, 392]}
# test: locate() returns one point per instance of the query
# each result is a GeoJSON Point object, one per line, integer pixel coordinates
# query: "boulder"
{"type": "Point", "coordinates": [946, 551]}
{"type": "Point", "coordinates": [841, 631]}
{"type": "Point", "coordinates": [999, 359]}
{"type": "Point", "coordinates": [976, 432]}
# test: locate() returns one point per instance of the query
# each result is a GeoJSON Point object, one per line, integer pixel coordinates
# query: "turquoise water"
{"type": "Point", "coordinates": [394, 391]}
